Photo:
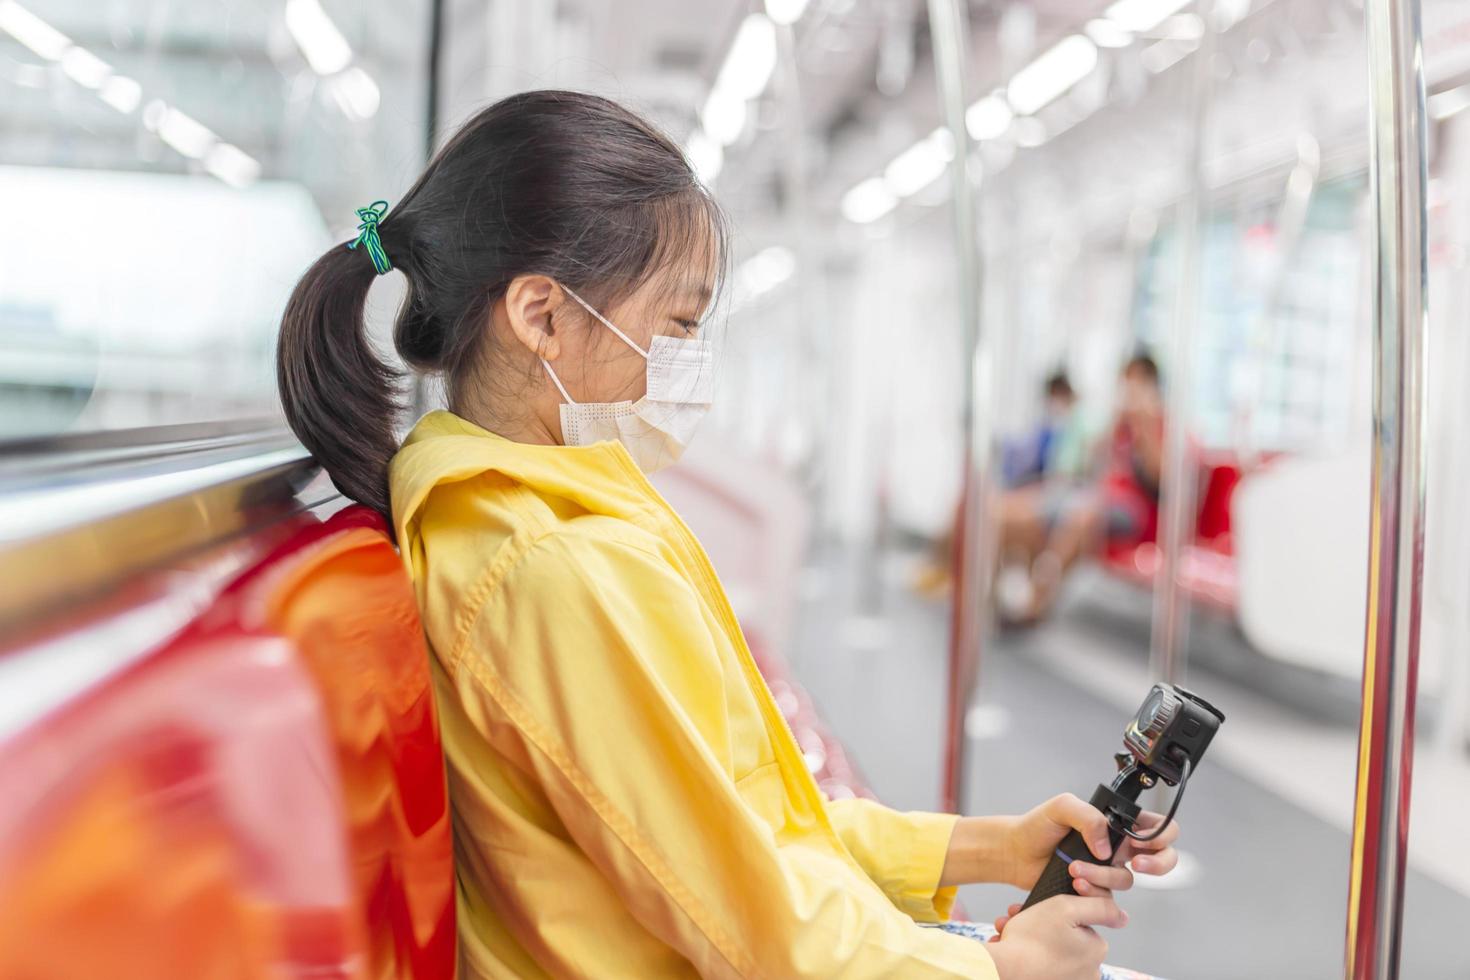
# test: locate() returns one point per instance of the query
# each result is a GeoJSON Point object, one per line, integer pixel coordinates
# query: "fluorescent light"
{"type": "Point", "coordinates": [868, 201]}
{"type": "Point", "coordinates": [705, 155]}
{"type": "Point", "coordinates": [1183, 27]}
{"type": "Point", "coordinates": [184, 133]}
{"type": "Point", "coordinates": [356, 93]}
{"type": "Point", "coordinates": [1140, 16]}
{"type": "Point", "coordinates": [751, 60]}
{"type": "Point", "coordinates": [1443, 105]}
{"type": "Point", "coordinates": [764, 271]}
{"type": "Point", "coordinates": [1030, 132]}
{"type": "Point", "coordinates": [32, 31]}
{"type": "Point", "coordinates": [1107, 34]}
{"type": "Point", "coordinates": [122, 93]}
{"type": "Point", "coordinates": [921, 164]}
{"type": "Point", "coordinates": [989, 118]}
{"type": "Point", "coordinates": [1052, 73]}
{"type": "Point", "coordinates": [1228, 13]}
{"type": "Point", "coordinates": [324, 47]}
{"type": "Point", "coordinates": [723, 116]}
{"type": "Point", "coordinates": [1162, 55]}
{"type": "Point", "coordinates": [232, 165]}
{"type": "Point", "coordinates": [785, 12]}
{"type": "Point", "coordinates": [84, 67]}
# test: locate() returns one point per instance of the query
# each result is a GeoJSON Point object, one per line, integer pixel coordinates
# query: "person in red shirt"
{"type": "Point", "coordinates": [1066, 523]}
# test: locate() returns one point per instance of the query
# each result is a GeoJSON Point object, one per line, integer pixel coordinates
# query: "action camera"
{"type": "Point", "coordinates": [1165, 741]}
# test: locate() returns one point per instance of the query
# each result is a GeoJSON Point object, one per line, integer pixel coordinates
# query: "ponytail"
{"type": "Point", "coordinates": [340, 399]}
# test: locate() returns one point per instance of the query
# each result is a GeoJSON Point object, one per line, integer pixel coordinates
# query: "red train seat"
{"type": "Point", "coordinates": [1207, 571]}
{"type": "Point", "coordinates": [259, 794]}
{"type": "Point", "coordinates": [837, 775]}
{"type": "Point", "coordinates": [339, 593]}
{"type": "Point", "coordinates": [179, 819]}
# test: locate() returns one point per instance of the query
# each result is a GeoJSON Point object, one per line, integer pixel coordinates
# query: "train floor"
{"type": "Point", "coordinates": [1261, 891]}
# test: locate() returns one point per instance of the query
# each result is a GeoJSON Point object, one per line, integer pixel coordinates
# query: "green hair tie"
{"type": "Point", "coordinates": [367, 234]}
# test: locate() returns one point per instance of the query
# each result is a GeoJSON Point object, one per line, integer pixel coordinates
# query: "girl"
{"type": "Point", "coordinates": [628, 801]}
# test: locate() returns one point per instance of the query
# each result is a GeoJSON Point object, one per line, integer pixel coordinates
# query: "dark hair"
{"type": "Point", "coordinates": [1143, 363]}
{"type": "Point", "coordinates": [562, 184]}
{"type": "Point", "coordinates": [1058, 385]}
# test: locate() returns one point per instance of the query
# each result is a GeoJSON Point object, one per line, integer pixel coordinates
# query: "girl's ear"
{"type": "Point", "coordinates": [530, 305]}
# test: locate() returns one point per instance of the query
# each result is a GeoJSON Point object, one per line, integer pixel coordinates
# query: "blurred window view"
{"type": "Point", "coordinates": [168, 170]}
{"type": "Point", "coordinates": [1281, 344]}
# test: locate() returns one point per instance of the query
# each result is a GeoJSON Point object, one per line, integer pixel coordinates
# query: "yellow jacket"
{"type": "Point", "coordinates": [628, 800]}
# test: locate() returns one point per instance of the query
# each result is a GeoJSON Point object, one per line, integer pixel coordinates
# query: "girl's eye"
{"type": "Point", "coordinates": [689, 325]}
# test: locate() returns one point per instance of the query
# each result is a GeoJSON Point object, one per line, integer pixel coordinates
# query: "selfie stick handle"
{"type": "Point", "coordinates": [1056, 879]}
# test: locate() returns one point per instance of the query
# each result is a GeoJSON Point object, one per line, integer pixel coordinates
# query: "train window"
{"type": "Point", "coordinates": [1279, 356]}
{"type": "Point", "coordinates": [168, 171]}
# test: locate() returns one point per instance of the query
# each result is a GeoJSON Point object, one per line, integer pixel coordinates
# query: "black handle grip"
{"type": "Point", "coordinates": [1055, 878]}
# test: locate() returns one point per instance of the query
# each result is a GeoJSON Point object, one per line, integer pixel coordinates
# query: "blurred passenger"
{"type": "Point", "coordinates": [628, 801]}
{"type": "Point", "coordinates": [1055, 451]}
{"type": "Point", "coordinates": [1050, 530]}
{"type": "Point", "coordinates": [1056, 446]}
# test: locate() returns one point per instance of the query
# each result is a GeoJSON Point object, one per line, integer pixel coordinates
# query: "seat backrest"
{"type": "Point", "coordinates": [1219, 475]}
{"type": "Point", "coordinates": [338, 591]}
{"type": "Point", "coordinates": [256, 791]}
{"type": "Point", "coordinates": [179, 818]}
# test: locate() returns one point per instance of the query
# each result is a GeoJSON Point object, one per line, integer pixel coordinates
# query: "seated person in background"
{"type": "Point", "coordinates": [1050, 528]}
{"type": "Point", "coordinates": [1054, 446]}
{"type": "Point", "coordinates": [1056, 450]}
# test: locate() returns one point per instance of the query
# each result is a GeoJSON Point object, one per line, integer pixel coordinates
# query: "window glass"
{"type": "Point", "coordinates": [169, 169]}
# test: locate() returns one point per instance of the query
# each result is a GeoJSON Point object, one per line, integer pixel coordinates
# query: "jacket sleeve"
{"type": "Point", "coordinates": [903, 852]}
{"type": "Point", "coordinates": [594, 658]}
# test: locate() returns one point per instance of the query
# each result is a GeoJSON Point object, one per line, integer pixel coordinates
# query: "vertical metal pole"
{"type": "Point", "coordinates": [1177, 493]}
{"type": "Point", "coordinates": [1396, 530]}
{"type": "Point", "coordinates": [949, 35]}
{"type": "Point", "coordinates": [432, 69]}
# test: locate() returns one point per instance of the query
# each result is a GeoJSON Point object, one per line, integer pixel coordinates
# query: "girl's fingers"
{"type": "Point", "coordinates": [1156, 863]}
{"type": "Point", "coordinates": [1000, 921]}
{"type": "Point", "coordinates": [1102, 875]}
{"type": "Point", "coordinates": [1071, 811]}
{"type": "Point", "coordinates": [1086, 888]}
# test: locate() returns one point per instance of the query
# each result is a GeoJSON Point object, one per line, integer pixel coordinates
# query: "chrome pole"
{"type": "Point", "coordinates": [1169, 632]}
{"type": "Point", "coordinates": [949, 36]}
{"type": "Point", "coordinates": [433, 70]}
{"type": "Point", "coordinates": [1396, 530]}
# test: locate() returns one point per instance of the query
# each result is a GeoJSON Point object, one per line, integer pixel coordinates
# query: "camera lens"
{"type": "Point", "coordinates": [1158, 710]}
{"type": "Point", "coordinates": [1150, 710]}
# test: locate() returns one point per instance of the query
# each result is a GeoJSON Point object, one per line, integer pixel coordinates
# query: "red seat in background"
{"type": "Point", "coordinates": [256, 790]}
{"type": "Point", "coordinates": [1207, 566]}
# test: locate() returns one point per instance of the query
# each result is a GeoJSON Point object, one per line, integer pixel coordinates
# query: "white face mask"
{"type": "Point", "coordinates": [656, 428]}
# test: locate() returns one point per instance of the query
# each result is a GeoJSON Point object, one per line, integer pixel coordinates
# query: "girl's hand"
{"type": "Point", "coordinates": [1055, 939]}
{"type": "Point", "coordinates": [1034, 837]}
{"type": "Point", "coordinates": [1155, 857]}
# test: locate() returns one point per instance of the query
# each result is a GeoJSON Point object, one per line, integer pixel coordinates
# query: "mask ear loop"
{"type": "Point", "coordinates": [606, 322]}
{"type": "Point", "coordinates": [557, 381]}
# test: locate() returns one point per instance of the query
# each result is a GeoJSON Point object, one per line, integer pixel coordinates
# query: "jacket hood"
{"type": "Point", "coordinates": [445, 448]}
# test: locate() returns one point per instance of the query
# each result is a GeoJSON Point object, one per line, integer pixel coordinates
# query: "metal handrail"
{"type": "Point", "coordinates": [1399, 177]}
{"type": "Point", "coordinates": [1179, 498]}
{"type": "Point", "coordinates": [78, 457]}
{"type": "Point", "coordinates": [974, 537]}
{"type": "Point", "coordinates": [78, 531]}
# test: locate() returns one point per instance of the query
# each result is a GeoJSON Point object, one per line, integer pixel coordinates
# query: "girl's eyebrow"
{"type": "Point", "coordinates": [696, 289]}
